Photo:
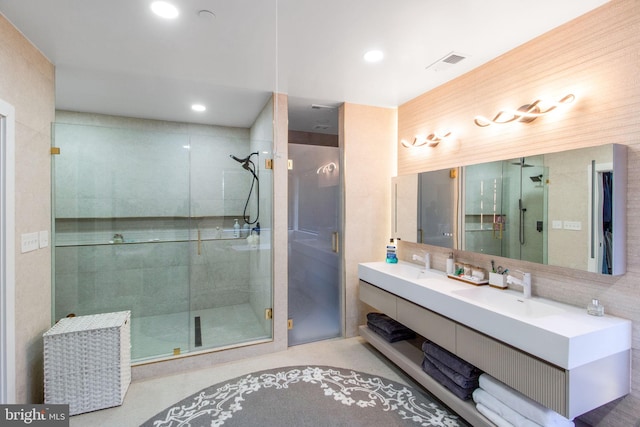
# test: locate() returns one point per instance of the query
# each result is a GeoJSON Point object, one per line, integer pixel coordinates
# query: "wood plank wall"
{"type": "Point", "coordinates": [596, 57]}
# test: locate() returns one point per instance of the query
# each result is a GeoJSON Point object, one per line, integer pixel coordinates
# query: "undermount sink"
{"type": "Point", "coordinates": [509, 302]}
{"type": "Point", "coordinates": [561, 334]}
{"type": "Point", "coordinates": [408, 271]}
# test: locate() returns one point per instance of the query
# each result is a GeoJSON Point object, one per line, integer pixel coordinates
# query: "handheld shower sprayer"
{"type": "Point", "coordinates": [237, 159]}
{"type": "Point", "coordinates": [251, 167]}
{"type": "Point", "coordinates": [244, 161]}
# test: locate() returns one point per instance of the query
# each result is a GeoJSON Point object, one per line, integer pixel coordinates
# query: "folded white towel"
{"type": "Point", "coordinates": [492, 416]}
{"type": "Point", "coordinates": [522, 404]}
{"type": "Point", "coordinates": [482, 397]}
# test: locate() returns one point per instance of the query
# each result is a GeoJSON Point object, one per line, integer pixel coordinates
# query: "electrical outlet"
{"type": "Point", "coordinates": [30, 242]}
{"type": "Point", "coordinates": [44, 239]}
{"type": "Point", "coordinates": [556, 225]}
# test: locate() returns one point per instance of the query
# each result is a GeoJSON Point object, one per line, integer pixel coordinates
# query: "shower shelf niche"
{"type": "Point", "coordinates": [101, 231]}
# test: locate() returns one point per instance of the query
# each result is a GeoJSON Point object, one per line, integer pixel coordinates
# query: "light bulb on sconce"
{"type": "Point", "coordinates": [431, 140]}
{"type": "Point", "coordinates": [525, 114]}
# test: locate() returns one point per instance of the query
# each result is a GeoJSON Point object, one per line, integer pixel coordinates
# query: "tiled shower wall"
{"type": "Point", "coordinates": [110, 164]}
{"type": "Point", "coordinates": [151, 278]}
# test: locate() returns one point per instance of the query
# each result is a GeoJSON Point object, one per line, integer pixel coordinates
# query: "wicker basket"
{"type": "Point", "coordinates": [87, 361]}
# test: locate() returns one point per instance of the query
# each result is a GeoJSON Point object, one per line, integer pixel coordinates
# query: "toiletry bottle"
{"type": "Point", "coordinates": [391, 252]}
{"type": "Point", "coordinates": [427, 261]}
{"type": "Point", "coordinates": [595, 308]}
{"type": "Point", "coordinates": [245, 230]}
{"type": "Point", "coordinates": [450, 263]}
{"type": "Point", "coordinates": [236, 229]}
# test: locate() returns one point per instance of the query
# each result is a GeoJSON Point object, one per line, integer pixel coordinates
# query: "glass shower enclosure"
{"type": "Point", "coordinates": [505, 209]}
{"type": "Point", "coordinates": [159, 218]}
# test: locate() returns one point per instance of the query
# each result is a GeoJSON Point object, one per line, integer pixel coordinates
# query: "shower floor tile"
{"type": "Point", "coordinates": [158, 336]}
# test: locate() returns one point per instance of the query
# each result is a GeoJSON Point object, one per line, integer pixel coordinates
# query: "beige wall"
{"type": "Point", "coordinates": [367, 143]}
{"type": "Point", "coordinates": [596, 57]}
{"type": "Point", "coordinates": [27, 82]}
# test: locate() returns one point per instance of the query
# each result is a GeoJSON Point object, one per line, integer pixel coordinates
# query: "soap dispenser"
{"type": "Point", "coordinates": [236, 229]}
{"type": "Point", "coordinates": [450, 263]}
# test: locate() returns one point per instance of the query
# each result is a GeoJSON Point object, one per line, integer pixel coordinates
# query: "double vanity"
{"type": "Point", "coordinates": [555, 353]}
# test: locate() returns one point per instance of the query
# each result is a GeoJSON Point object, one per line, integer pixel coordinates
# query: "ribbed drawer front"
{"type": "Point", "coordinates": [540, 381]}
{"type": "Point", "coordinates": [430, 325]}
{"type": "Point", "coordinates": [378, 299]}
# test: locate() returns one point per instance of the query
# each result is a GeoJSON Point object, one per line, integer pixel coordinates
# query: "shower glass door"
{"type": "Point", "coordinates": [122, 230]}
{"type": "Point", "coordinates": [144, 221]}
{"type": "Point", "coordinates": [230, 264]}
{"type": "Point", "coordinates": [314, 239]}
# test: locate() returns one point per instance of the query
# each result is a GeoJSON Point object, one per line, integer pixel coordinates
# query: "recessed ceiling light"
{"type": "Point", "coordinates": [198, 107]}
{"type": "Point", "coordinates": [164, 9]}
{"type": "Point", "coordinates": [374, 56]}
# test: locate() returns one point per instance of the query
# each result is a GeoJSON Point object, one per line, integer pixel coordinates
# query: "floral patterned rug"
{"type": "Point", "coordinates": [307, 396]}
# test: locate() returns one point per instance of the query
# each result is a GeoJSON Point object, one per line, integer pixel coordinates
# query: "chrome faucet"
{"type": "Point", "coordinates": [525, 283]}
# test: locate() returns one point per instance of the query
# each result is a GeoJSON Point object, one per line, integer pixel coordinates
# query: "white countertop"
{"type": "Point", "coordinates": [561, 334]}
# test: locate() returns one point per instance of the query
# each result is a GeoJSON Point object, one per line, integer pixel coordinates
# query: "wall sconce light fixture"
{"type": "Point", "coordinates": [430, 140]}
{"type": "Point", "coordinates": [525, 114]}
{"type": "Point", "coordinates": [328, 168]}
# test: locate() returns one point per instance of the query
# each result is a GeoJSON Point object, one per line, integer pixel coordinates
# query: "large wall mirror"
{"type": "Point", "coordinates": [565, 209]}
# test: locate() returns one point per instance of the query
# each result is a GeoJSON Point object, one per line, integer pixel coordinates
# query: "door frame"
{"type": "Point", "coordinates": [7, 254]}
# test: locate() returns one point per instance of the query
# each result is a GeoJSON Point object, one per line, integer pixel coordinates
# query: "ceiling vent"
{"type": "Point", "coordinates": [322, 107]}
{"type": "Point", "coordinates": [447, 61]}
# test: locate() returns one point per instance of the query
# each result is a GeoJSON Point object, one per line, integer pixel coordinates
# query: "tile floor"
{"type": "Point", "coordinates": [146, 398]}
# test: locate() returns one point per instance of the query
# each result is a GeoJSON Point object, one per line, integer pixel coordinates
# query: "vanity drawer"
{"type": "Point", "coordinates": [378, 299]}
{"type": "Point", "coordinates": [542, 382]}
{"type": "Point", "coordinates": [430, 325]}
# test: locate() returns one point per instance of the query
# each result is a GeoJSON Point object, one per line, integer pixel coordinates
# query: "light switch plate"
{"type": "Point", "coordinates": [30, 242]}
{"type": "Point", "coordinates": [556, 224]}
{"type": "Point", "coordinates": [44, 239]}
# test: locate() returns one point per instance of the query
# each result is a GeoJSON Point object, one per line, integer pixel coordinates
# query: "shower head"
{"type": "Point", "coordinates": [522, 163]}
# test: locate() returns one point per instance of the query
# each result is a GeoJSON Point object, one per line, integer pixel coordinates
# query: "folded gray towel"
{"type": "Point", "coordinates": [449, 359]}
{"type": "Point", "coordinates": [454, 376]}
{"type": "Point", "coordinates": [462, 393]}
{"type": "Point", "coordinates": [386, 323]}
{"type": "Point", "coordinates": [399, 335]}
